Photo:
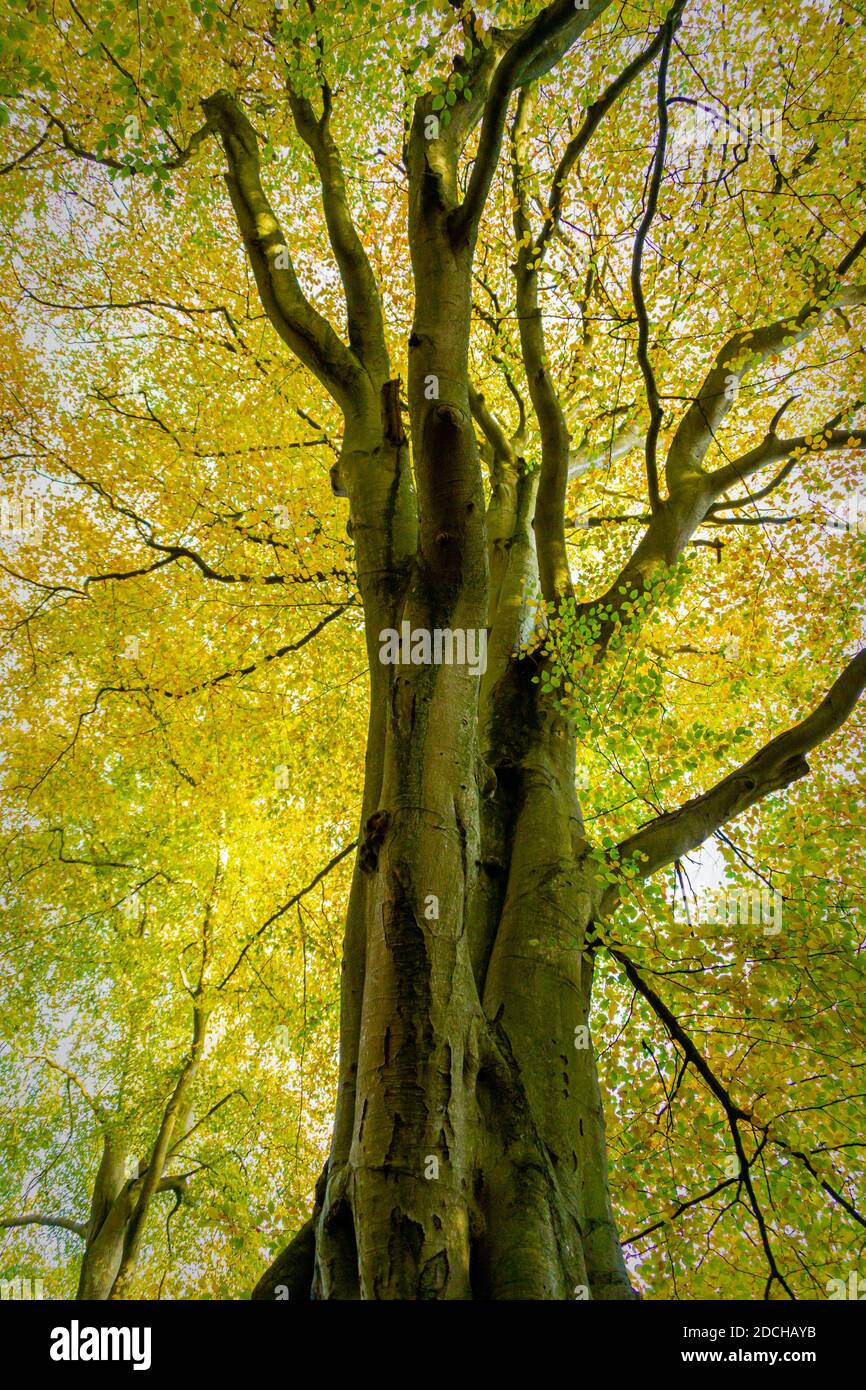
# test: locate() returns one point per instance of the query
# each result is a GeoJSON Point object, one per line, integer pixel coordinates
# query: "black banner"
{"type": "Point", "coordinates": [83, 1341]}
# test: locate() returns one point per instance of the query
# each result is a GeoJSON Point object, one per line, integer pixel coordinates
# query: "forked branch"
{"type": "Point", "coordinates": [299, 324]}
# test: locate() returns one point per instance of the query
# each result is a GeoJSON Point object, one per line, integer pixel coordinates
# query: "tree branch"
{"type": "Point", "coordinates": [363, 304]}
{"type": "Point", "coordinates": [534, 51]}
{"type": "Point", "coordinates": [63, 1223]}
{"type": "Point", "coordinates": [643, 358]}
{"type": "Point", "coordinates": [549, 518]}
{"type": "Point", "coordinates": [775, 766]}
{"type": "Point", "coordinates": [742, 353]}
{"type": "Point", "coordinates": [679, 1210]}
{"type": "Point", "coordinates": [109, 162]}
{"type": "Point", "coordinates": [296, 897]}
{"type": "Point", "coordinates": [98, 1109]}
{"type": "Point", "coordinates": [584, 460]}
{"type": "Point", "coordinates": [733, 1112]}
{"type": "Point", "coordinates": [298, 323]}
{"type": "Point", "coordinates": [491, 427]}
{"type": "Point", "coordinates": [22, 158]}
{"type": "Point", "coordinates": [772, 449]}
{"type": "Point", "coordinates": [237, 672]}
{"type": "Point", "coordinates": [592, 120]}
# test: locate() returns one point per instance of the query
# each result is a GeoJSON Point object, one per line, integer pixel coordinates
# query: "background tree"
{"type": "Point", "coordinates": [617, 344]}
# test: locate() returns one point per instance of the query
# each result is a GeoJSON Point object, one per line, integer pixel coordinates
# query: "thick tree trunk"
{"type": "Point", "coordinates": [468, 1157]}
{"type": "Point", "coordinates": [474, 1165]}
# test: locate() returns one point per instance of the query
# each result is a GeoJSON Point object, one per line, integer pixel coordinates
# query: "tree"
{"type": "Point", "coordinates": [468, 1155]}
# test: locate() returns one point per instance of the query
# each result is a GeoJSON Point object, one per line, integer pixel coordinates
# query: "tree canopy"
{"type": "Point", "coordinates": [185, 671]}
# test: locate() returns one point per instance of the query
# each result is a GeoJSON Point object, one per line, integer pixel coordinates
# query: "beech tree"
{"type": "Point", "coordinates": [555, 354]}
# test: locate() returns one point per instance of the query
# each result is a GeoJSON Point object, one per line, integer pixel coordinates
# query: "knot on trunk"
{"type": "Point", "coordinates": [449, 417]}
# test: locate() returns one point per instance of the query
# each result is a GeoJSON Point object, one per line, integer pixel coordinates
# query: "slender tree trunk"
{"type": "Point", "coordinates": [121, 1202]}
{"type": "Point", "coordinates": [110, 1209]}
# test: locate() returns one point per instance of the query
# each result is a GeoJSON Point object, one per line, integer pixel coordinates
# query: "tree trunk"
{"type": "Point", "coordinates": [468, 1158]}
{"type": "Point", "coordinates": [469, 1154]}
{"type": "Point", "coordinates": [110, 1209]}
{"type": "Point", "coordinates": [120, 1204]}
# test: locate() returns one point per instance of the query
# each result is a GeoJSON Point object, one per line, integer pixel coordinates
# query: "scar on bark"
{"type": "Point", "coordinates": [337, 486]}
{"type": "Point", "coordinates": [392, 417]}
{"type": "Point", "coordinates": [374, 833]}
